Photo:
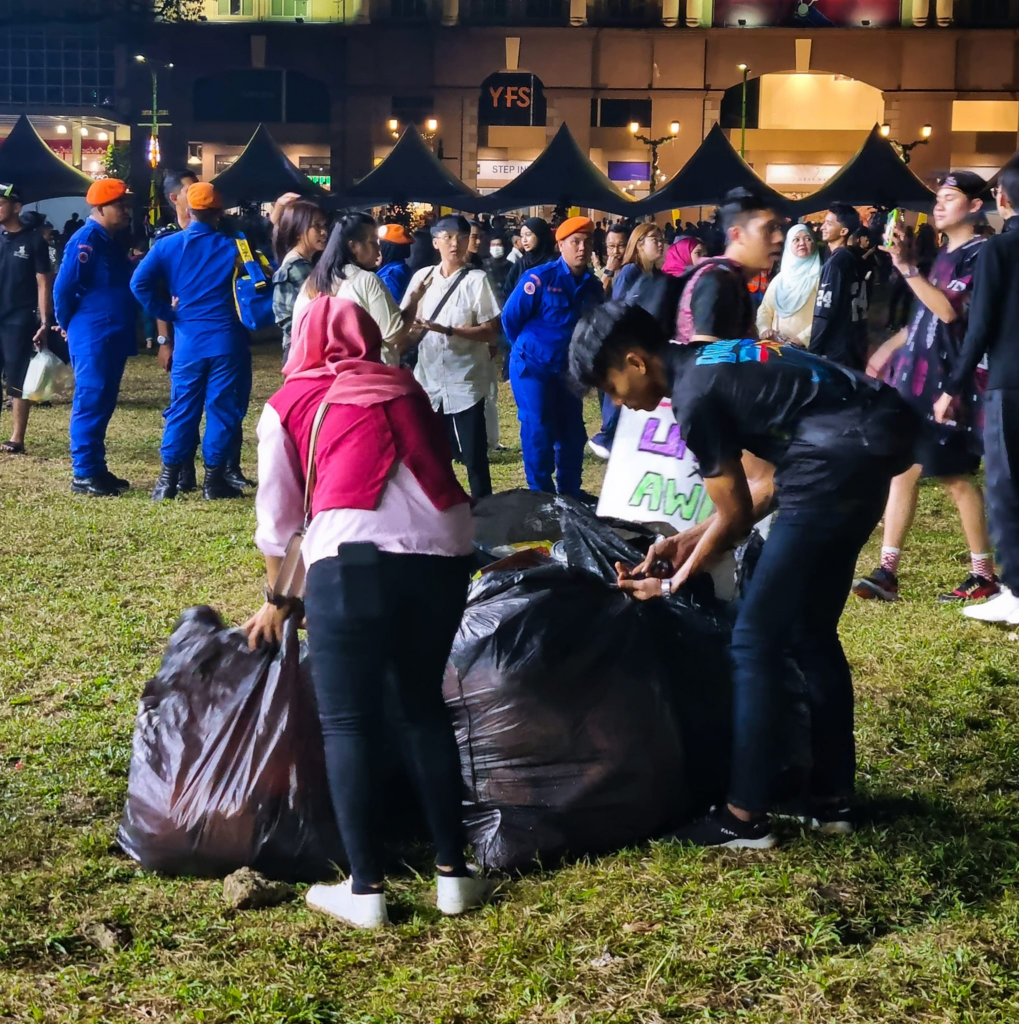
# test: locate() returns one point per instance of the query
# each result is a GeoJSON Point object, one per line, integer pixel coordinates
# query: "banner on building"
{"type": "Point", "coordinates": [501, 170]}
{"type": "Point", "coordinates": [512, 98]}
{"type": "Point", "coordinates": [806, 13]}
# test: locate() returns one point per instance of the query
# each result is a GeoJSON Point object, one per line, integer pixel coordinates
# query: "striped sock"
{"type": "Point", "coordinates": [890, 559]}
{"type": "Point", "coordinates": [982, 565]}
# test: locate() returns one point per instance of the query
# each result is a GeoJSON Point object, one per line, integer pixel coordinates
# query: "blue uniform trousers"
{"type": "Point", "coordinates": [552, 431]}
{"type": "Point", "coordinates": [97, 375]}
{"type": "Point", "coordinates": [218, 384]}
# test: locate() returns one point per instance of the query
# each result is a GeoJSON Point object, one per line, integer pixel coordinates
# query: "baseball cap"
{"type": "Point", "coordinates": [10, 193]}
{"type": "Point", "coordinates": [969, 184]}
{"type": "Point", "coordinates": [106, 190]}
{"type": "Point", "coordinates": [202, 195]}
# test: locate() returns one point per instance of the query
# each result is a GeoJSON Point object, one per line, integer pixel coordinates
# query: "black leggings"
{"type": "Point", "coordinates": [389, 627]}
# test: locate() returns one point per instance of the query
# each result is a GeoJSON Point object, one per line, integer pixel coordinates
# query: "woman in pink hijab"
{"type": "Point", "coordinates": [683, 253]}
{"type": "Point", "coordinates": [387, 544]}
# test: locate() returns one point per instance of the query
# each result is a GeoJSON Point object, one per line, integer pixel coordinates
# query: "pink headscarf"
{"type": "Point", "coordinates": [336, 338]}
{"type": "Point", "coordinates": [680, 255]}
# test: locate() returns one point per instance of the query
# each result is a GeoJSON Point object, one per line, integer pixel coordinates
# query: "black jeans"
{"type": "Point", "coordinates": [468, 437]}
{"type": "Point", "coordinates": [1001, 462]}
{"type": "Point", "coordinates": [378, 638]}
{"type": "Point", "coordinates": [792, 609]}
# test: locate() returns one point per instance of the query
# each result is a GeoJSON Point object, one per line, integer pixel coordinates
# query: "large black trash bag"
{"type": "Point", "coordinates": [586, 720]}
{"type": "Point", "coordinates": [227, 767]}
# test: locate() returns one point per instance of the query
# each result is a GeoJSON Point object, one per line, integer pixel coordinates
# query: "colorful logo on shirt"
{"type": "Point", "coordinates": [744, 351]}
{"type": "Point", "coordinates": [529, 288]}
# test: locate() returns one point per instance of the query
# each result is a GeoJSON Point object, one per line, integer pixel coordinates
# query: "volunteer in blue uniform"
{"type": "Point", "coordinates": [210, 366]}
{"type": "Point", "coordinates": [538, 320]}
{"type": "Point", "coordinates": [93, 305]}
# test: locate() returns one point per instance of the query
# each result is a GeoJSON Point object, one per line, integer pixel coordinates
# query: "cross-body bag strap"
{"type": "Point", "coordinates": [310, 476]}
{"type": "Point", "coordinates": [449, 293]}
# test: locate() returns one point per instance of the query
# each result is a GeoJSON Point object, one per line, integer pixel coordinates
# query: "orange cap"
{"type": "Point", "coordinates": [106, 190]}
{"type": "Point", "coordinates": [203, 196]}
{"type": "Point", "coordinates": [394, 233]}
{"type": "Point", "coordinates": [573, 226]}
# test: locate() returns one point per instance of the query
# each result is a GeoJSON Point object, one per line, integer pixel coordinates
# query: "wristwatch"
{"type": "Point", "coordinates": [666, 588]}
{"type": "Point", "coordinates": [162, 340]}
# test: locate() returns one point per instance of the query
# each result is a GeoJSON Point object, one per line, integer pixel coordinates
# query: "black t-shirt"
{"type": "Point", "coordinates": [721, 304]}
{"type": "Point", "coordinates": [839, 332]}
{"type": "Point", "coordinates": [23, 254]}
{"type": "Point", "coordinates": [826, 429]}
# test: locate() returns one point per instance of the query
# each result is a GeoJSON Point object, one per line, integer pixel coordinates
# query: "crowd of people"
{"type": "Point", "coordinates": [755, 329]}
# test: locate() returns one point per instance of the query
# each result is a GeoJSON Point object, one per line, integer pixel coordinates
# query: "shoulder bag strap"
{"type": "Point", "coordinates": [251, 265]}
{"type": "Point", "coordinates": [309, 479]}
{"type": "Point", "coordinates": [449, 293]}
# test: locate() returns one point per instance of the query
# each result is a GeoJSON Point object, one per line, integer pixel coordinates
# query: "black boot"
{"type": "Point", "coordinates": [234, 476]}
{"type": "Point", "coordinates": [216, 486]}
{"type": "Point", "coordinates": [188, 481]}
{"type": "Point", "coordinates": [116, 481]}
{"type": "Point", "coordinates": [167, 484]}
{"type": "Point", "coordinates": [94, 487]}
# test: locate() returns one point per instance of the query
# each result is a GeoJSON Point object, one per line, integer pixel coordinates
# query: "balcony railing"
{"type": "Point", "coordinates": [624, 12]}
{"type": "Point", "coordinates": [405, 12]}
{"type": "Point", "coordinates": [514, 12]}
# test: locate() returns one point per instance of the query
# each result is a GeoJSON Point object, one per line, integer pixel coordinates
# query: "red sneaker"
{"type": "Point", "coordinates": [973, 588]}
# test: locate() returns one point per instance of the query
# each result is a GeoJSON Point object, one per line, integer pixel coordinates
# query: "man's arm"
{"type": "Point", "coordinates": [145, 284]}
{"type": "Point", "coordinates": [984, 312]}
{"type": "Point", "coordinates": [75, 277]}
{"type": "Point", "coordinates": [521, 306]}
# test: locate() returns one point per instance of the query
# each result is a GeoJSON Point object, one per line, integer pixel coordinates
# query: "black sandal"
{"type": "Point", "coordinates": [12, 448]}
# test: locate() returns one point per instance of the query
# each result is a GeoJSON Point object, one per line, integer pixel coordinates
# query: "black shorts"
{"type": "Point", "coordinates": [16, 351]}
{"type": "Point", "coordinates": [945, 452]}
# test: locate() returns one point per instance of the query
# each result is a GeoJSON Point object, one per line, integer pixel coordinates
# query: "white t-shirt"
{"type": "Point", "coordinates": [364, 288]}
{"type": "Point", "coordinates": [455, 371]}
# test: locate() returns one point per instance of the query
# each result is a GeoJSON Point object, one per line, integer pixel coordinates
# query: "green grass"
{"type": "Point", "coordinates": [914, 919]}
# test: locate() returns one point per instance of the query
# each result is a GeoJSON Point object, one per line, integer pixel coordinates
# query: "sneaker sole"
{"type": "Point", "coordinates": [329, 912]}
{"type": "Point", "coordinates": [867, 590]}
{"type": "Point", "coordinates": [832, 828]}
{"type": "Point", "coordinates": [767, 842]}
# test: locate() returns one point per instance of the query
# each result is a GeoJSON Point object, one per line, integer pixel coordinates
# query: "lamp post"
{"type": "Point", "coordinates": [653, 145]}
{"type": "Point", "coordinates": [904, 149]}
{"type": "Point", "coordinates": [745, 68]}
{"type": "Point", "coordinates": [152, 149]}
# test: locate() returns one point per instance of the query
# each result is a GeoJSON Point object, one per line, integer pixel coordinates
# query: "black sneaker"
{"type": "Point", "coordinates": [722, 828]}
{"type": "Point", "coordinates": [831, 820]}
{"type": "Point", "coordinates": [881, 584]}
{"type": "Point", "coordinates": [973, 588]}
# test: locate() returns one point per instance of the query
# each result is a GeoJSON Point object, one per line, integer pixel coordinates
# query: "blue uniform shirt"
{"type": "Point", "coordinates": [92, 293]}
{"type": "Point", "coordinates": [542, 310]}
{"type": "Point", "coordinates": [396, 277]}
{"type": "Point", "coordinates": [195, 266]}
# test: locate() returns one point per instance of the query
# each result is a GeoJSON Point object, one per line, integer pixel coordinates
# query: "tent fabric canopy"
{"type": "Point", "coordinates": [875, 176]}
{"type": "Point", "coordinates": [28, 163]}
{"type": "Point", "coordinates": [411, 173]}
{"type": "Point", "coordinates": [713, 170]}
{"type": "Point", "coordinates": [563, 175]}
{"type": "Point", "coordinates": [262, 173]}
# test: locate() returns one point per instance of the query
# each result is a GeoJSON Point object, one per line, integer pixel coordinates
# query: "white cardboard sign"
{"type": "Point", "coordinates": [652, 476]}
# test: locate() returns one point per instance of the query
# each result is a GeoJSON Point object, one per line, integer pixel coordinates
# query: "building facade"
{"type": "Point", "coordinates": [330, 78]}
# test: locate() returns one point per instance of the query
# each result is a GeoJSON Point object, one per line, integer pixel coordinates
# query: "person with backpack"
{"type": "Point", "coordinates": [209, 358]}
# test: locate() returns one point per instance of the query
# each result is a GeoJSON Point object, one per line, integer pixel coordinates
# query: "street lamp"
{"type": "Point", "coordinates": [745, 68]}
{"type": "Point", "coordinates": [904, 149]}
{"type": "Point", "coordinates": [655, 176]}
{"type": "Point", "coordinates": [394, 127]}
{"type": "Point", "coordinates": [152, 149]}
{"type": "Point", "coordinates": [431, 126]}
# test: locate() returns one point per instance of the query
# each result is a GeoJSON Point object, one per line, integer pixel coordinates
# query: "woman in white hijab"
{"type": "Point", "coordinates": [787, 312]}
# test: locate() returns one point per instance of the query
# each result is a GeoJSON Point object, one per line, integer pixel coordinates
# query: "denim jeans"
{"type": "Point", "coordinates": [380, 643]}
{"type": "Point", "coordinates": [792, 609]}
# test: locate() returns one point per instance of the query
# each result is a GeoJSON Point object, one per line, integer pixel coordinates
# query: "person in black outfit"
{"type": "Point", "coordinates": [26, 287]}
{"type": "Point", "coordinates": [993, 331]}
{"type": "Point", "coordinates": [835, 439]}
{"type": "Point", "coordinates": [840, 314]}
{"type": "Point", "coordinates": [539, 248]}
{"type": "Point", "coordinates": [71, 226]}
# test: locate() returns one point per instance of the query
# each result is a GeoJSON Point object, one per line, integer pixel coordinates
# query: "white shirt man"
{"type": "Point", "coordinates": [459, 320]}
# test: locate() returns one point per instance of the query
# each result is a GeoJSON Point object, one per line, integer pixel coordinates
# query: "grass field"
{"type": "Point", "coordinates": [915, 919]}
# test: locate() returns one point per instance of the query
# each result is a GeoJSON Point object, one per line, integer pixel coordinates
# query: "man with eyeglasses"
{"type": "Point", "coordinates": [458, 322]}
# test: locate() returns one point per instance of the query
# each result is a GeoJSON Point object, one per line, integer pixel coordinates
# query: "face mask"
{"type": "Point", "coordinates": [497, 251]}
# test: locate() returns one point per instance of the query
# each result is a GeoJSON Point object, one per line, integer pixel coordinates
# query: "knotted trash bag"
{"type": "Point", "coordinates": [586, 720]}
{"type": "Point", "coordinates": [227, 769]}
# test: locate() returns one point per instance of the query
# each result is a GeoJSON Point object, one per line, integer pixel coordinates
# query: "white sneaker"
{"type": "Point", "coordinates": [340, 902]}
{"type": "Point", "coordinates": [599, 449]}
{"type": "Point", "coordinates": [456, 895]}
{"type": "Point", "coordinates": [1000, 608]}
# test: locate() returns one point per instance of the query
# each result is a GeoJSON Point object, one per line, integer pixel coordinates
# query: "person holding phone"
{"type": "Point", "coordinates": [389, 541]}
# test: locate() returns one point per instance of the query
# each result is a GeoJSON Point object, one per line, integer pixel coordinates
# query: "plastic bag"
{"type": "Point", "coordinates": [47, 377]}
{"type": "Point", "coordinates": [586, 720]}
{"type": "Point", "coordinates": [227, 768]}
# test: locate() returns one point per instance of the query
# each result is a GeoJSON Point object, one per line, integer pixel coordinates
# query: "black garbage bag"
{"type": "Point", "coordinates": [586, 720]}
{"type": "Point", "coordinates": [227, 768]}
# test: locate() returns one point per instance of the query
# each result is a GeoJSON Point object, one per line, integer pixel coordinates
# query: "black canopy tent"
{"type": "Point", "coordinates": [713, 170]}
{"type": "Point", "coordinates": [411, 173]}
{"type": "Point", "coordinates": [563, 175]}
{"type": "Point", "coordinates": [875, 176]}
{"type": "Point", "coordinates": [262, 173]}
{"type": "Point", "coordinates": [27, 162]}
